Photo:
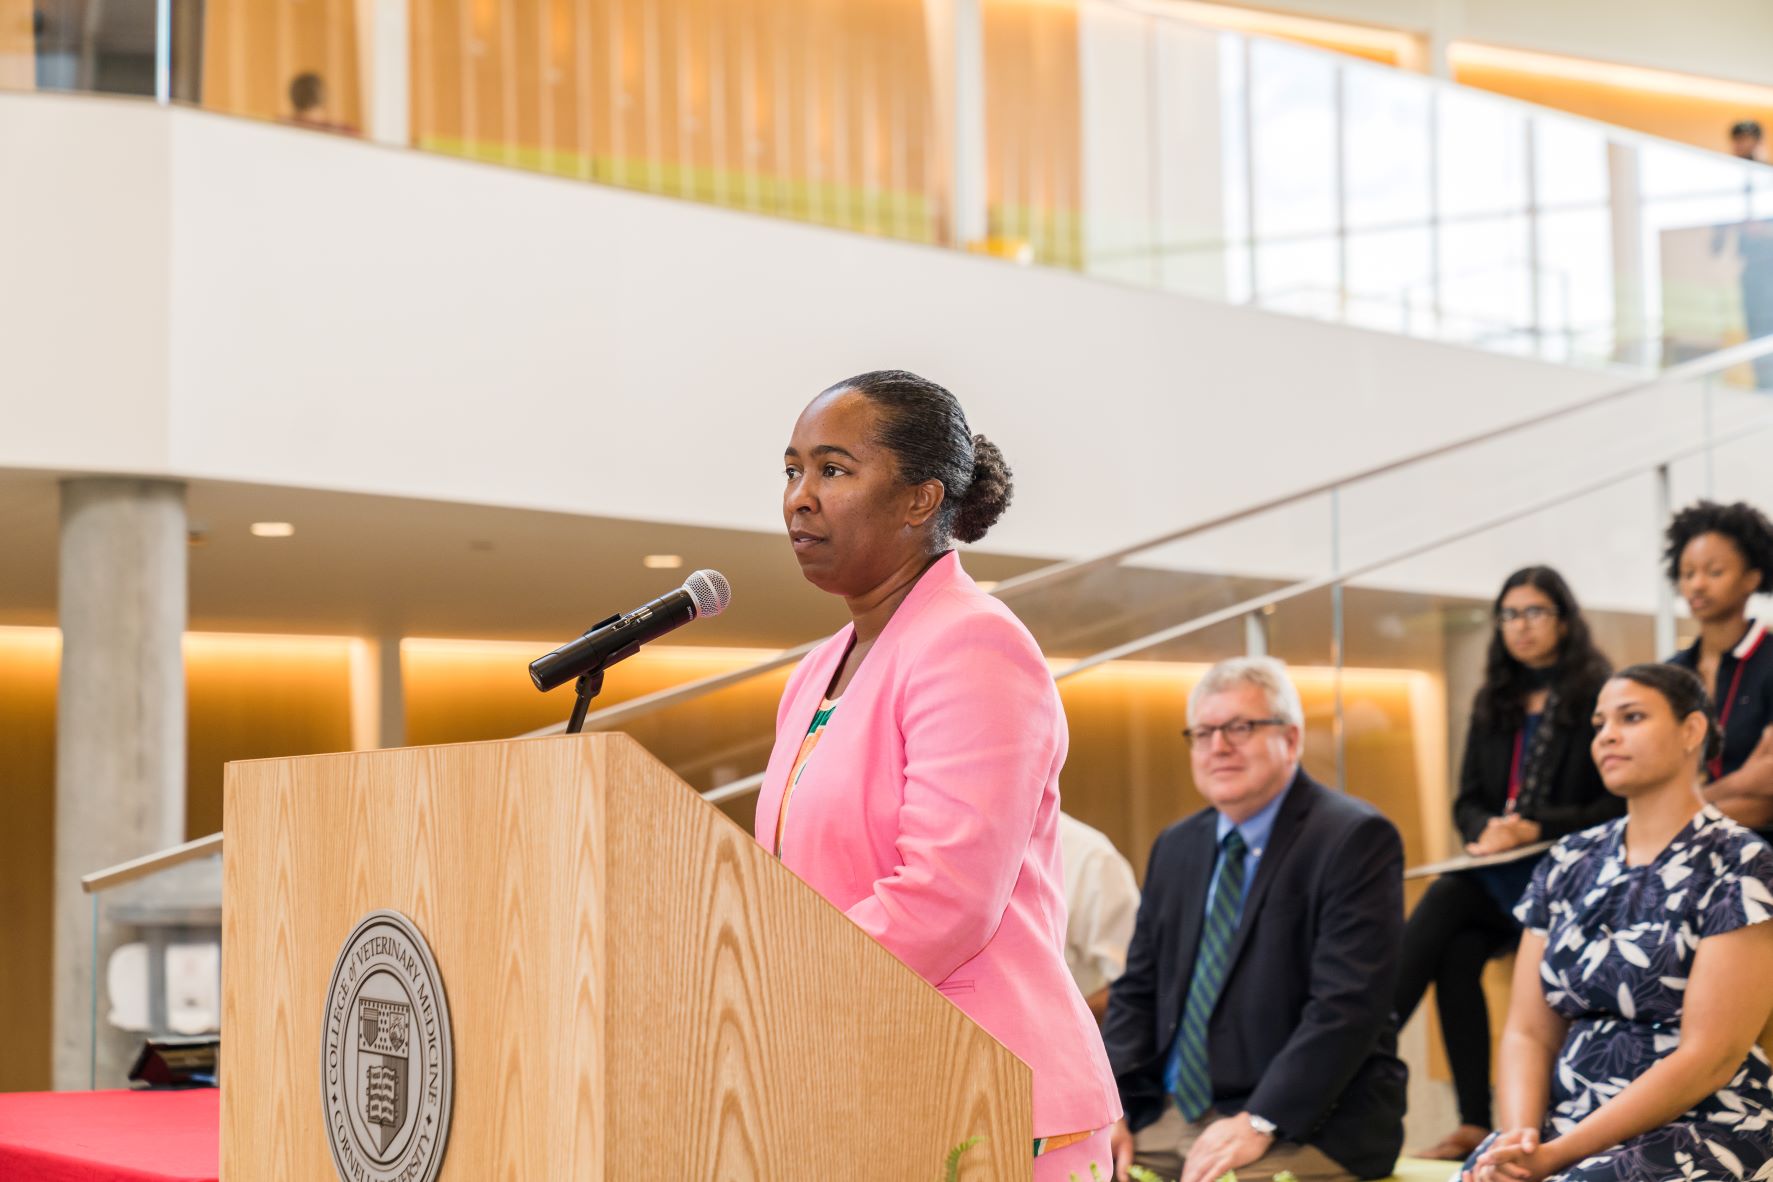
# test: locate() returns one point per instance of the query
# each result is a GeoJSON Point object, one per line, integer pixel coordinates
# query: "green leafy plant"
{"type": "Point", "coordinates": [951, 1171]}
{"type": "Point", "coordinates": [1141, 1174]}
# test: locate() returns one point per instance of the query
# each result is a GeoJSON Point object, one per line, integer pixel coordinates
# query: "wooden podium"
{"type": "Point", "coordinates": [635, 987]}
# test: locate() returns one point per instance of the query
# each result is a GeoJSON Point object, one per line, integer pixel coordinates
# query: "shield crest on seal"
{"type": "Point", "coordinates": [384, 1033]}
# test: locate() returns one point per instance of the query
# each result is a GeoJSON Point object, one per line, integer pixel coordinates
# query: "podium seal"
{"type": "Point", "coordinates": [387, 1065]}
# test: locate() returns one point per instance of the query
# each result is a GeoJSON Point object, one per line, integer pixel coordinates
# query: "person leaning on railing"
{"type": "Point", "coordinates": [915, 777]}
{"type": "Point", "coordinates": [1719, 557]}
{"type": "Point", "coordinates": [1526, 777]}
{"type": "Point", "coordinates": [1641, 982]}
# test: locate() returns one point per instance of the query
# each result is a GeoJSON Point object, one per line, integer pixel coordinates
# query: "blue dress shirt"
{"type": "Point", "coordinates": [1255, 832]}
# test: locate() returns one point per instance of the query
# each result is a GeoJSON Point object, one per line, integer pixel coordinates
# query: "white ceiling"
{"type": "Point", "coordinates": [370, 565]}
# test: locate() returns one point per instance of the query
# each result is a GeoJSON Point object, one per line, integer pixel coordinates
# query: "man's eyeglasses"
{"type": "Point", "coordinates": [1237, 732]}
{"type": "Point", "coordinates": [1532, 615]}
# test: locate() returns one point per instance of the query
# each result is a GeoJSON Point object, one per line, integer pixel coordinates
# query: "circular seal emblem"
{"type": "Point", "coordinates": [387, 1068]}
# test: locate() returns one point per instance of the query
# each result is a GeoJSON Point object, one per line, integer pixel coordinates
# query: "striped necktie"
{"type": "Point", "coordinates": [1193, 1086]}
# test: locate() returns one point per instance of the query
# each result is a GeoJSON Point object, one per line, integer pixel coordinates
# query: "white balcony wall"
{"type": "Point", "coordinates": [193, 296]}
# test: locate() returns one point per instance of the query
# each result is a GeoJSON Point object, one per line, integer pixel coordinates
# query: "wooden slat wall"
{"type": "Point", "coordinates": [18, 46]}
{"type": "Point", "coordinates": [816, 109]}
{"type": "Point", "coordinates": [253, 48]}
{"type": "Point", "coordinates": [1033, 126]}
{"type": "Point", "coordinates": [252, 697]}
{"type": "Point", "coordinates": [1128, 771]}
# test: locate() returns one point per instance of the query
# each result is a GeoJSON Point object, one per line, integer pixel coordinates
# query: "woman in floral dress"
{"type": "Point", "coordinates": [1643, 978]}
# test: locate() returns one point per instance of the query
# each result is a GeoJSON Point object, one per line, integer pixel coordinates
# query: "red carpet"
{"type": "Point", "coordinates": [110, 1136]}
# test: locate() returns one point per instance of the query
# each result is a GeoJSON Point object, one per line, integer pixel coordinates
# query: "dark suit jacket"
{"type": "Point", "coordinates": [1303, 1033]}
{"type": "Point", "coordinates": [1573, 799]}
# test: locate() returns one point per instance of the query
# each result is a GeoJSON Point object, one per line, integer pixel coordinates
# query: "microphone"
{"type": "Point", "coordinates": [705, 593]}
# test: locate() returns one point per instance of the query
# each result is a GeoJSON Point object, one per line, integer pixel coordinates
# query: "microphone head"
{"type": "Point", "coordinates": [710, 591]}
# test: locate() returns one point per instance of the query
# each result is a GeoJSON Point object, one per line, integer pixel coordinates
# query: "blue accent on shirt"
{"type": "Point", "coordinates": [1255, 832]}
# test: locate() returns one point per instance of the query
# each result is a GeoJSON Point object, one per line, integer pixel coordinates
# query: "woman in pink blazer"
{"type": "Point", "coordinates": [915, 777]}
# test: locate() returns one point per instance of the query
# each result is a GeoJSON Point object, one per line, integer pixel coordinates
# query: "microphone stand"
{"type": "Point", "coordinates": [589, 685]}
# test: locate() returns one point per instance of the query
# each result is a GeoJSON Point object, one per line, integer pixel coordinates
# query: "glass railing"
{"type": "Point", "coordinates": [1350, 566]}
{"type": "Point", "coordinates": [157, 947]}
{"type": "Point", "coordinates": [1375, 588]}
{"type": "Point", "coordinates": [1105, 136]}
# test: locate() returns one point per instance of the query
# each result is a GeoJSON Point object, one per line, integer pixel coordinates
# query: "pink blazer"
{"type": "Point", "coordinates": [930, 814]}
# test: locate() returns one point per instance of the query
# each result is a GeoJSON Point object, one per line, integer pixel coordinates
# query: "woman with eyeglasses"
{"type": "Point", "coordinates": [1526, 778]}
{"type": "Point", "coordinates": [1641, 982]}
{"type": "Point", "coordinates": [1719, 557]}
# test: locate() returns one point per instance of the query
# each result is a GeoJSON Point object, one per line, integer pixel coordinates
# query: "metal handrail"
{"type": "Point", "coordinates": [178, 855]}
{"type": "Point", "coordinates": [1059, 572]}
{"type": "Point", "coordinates": [1724, 359]}
{"type": "Point", "coordinates": [1306, 586]}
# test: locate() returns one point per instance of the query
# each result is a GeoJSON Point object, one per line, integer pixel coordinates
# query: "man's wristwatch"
{"type": "Point", "coordinates": [1262, 1124]}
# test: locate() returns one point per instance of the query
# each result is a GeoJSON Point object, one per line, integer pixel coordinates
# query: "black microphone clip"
{"type": "Point", "coordinates": [704, 593]}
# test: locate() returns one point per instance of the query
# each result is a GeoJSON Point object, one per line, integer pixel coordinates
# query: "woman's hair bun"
{"type": "Point", "coordinates": [922, 424]}
{"type": "Point", "coordinates": [988, 495]}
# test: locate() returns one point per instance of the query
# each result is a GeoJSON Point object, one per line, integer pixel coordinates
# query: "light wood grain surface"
{"type": "Point", "coordinates": [773, 1040]}
{"type": "Point", "coordinates": [636, 987]}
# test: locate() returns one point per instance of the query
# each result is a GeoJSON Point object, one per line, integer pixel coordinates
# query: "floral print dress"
{"type": "Point", "coordinates": [1619, 943]}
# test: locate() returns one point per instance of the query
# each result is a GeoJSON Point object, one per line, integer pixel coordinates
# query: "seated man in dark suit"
{"type": "Point", "coordinates": [1253, 1026]}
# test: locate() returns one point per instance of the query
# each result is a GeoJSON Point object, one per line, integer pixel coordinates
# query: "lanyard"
{"type": "Point", "coordinates": [1716, 766]}
{"type": "Point", "coordinates": [1514, 771]}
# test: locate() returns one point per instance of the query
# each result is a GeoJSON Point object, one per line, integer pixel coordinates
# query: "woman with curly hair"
{"type": "Point", "coordinates": [1719, 556]}
{"type": "Point", "coordinates": [1641, 982]}
{"type": "Point", "coordinates": [1526, 777]}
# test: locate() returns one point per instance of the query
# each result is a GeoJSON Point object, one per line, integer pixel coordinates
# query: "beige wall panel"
{"type": "Point", "coordinates": [29, 659]}
{"type": "Point", "coordinates": [253, 697]}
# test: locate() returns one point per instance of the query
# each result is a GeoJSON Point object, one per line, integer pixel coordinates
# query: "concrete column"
{"type": "Point", "coordinates": [1665, 605]}
{"type": "Point", "coordinates": [1255, 635]}
{"type": "Point", "coordinates": [378, 694]}
{"type": "Point", "coordinates": [1631, 310]}
{"type": "Point", "coordinates": [1446, 25]}
{"type": "Point", "coordinates": [384, 55]}
{"type": "Point", "coordinates": [120, 728]}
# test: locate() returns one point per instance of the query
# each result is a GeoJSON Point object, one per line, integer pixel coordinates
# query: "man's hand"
{"type": "Point", "coordinates": [1227, 1144]}
{"type": "Point", "coordinates": [1504, 833]}
{"type": "Point", "coordinates": [1120, 1148]}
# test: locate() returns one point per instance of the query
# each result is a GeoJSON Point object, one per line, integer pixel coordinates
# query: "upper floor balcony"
{"type": "Point", "coordinates": [1109, 137]}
